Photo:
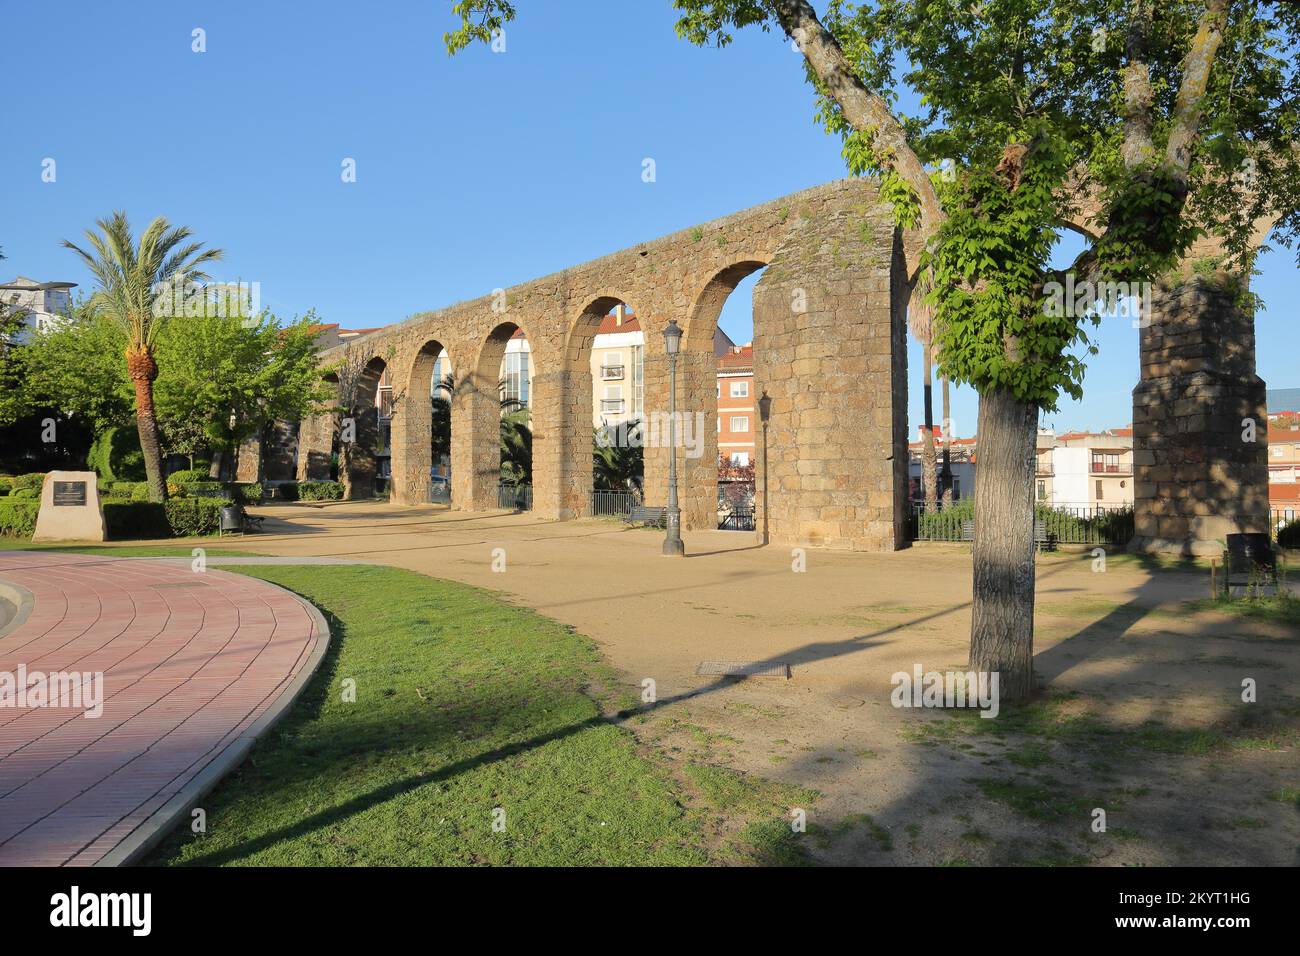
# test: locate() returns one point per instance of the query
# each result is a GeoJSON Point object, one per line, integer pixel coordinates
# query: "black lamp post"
{"type": "Point", "coordinates": [673, 545]}
{"type": "Point", "coordinates": [765, 413]}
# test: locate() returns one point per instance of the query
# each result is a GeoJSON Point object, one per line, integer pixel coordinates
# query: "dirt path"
{"type": "Point", "coordinates": [1144, 719]}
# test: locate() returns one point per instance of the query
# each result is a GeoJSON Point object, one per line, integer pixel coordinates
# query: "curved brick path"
{"type": "Point", "coordinates": [194, 666]}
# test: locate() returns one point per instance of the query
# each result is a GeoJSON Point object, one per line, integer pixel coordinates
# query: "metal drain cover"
{"type": "Point", "coordinates": [778, 669]}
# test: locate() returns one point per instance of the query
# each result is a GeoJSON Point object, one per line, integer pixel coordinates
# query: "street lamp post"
{"type": "Point", "coordinates": [765, 413]}
{"type": "Point", "coordinates": [673, 546]}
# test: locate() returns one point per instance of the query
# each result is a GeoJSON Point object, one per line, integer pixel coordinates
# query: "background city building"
{"type": "Point", "coordinates": [42, 304]}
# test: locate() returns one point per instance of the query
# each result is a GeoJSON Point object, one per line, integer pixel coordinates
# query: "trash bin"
{"type": "Point", "coordinates": [231, 518]}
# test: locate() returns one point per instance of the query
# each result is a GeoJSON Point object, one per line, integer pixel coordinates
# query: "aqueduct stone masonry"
{"type": "Point", "coordinates": [829, 346]}
{"type": "Point", "coordinates": [830, 350]}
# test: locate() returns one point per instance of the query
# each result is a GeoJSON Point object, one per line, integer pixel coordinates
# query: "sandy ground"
{"type": "Point", "coordinates": [1132, 678]}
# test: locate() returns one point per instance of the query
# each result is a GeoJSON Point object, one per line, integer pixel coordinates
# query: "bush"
{"type": "Point", "coordinates": [194, 489]}
{"type": "Point", "coordinates": [18, 517]}
{"type": "Point", "coordinates": [6, 485]}
{"type": "Point", "coordinates": [140, 491]}
{"type": "Point", "coordinates": [320, 490]}
{"type": "Point", "coordinates": [1289, 535]}
{"type": "Point", "coordinates": [188, 475]}
{"type": "Point", "coordinates": [246, 491]}
{"type": "Point", "coordinates": [115, 454]}
{"type": "Point", "coordinates": [287, 491]}
{"type": "Point", "coordinates": [176, 517]}
{"type": "Point", "coordinates": [30, 481]}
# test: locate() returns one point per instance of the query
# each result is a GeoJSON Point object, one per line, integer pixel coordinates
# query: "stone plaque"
{"type": "Point", "coordinates": [70, 509]}
{"type": "Point", "coordinates": [69, 494]}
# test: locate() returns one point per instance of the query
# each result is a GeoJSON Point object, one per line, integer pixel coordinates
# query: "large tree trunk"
{"type": "Point", "coordinates": [945, 473]}
{"type": "Point", "coordinates": [928, 471]}
{"type": "Point", "coordinates": [143, 370]}
{"type": "Point", "coordinates": [1002, 615]}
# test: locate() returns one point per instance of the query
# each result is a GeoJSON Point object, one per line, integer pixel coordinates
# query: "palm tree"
{"type": "Point", "coordinates": [617, 467]}
{"type": "Point", "coordinates": [134, 281]}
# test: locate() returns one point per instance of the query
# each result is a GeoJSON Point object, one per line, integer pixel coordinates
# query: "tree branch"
{"type": "Point", "coordinates": [1196, 78]}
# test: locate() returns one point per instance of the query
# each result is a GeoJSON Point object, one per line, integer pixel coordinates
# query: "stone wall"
{"type": "Point", "coordinates": [837, 360]}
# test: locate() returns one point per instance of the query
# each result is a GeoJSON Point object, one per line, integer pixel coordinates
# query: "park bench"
{"type": "Point", "coordinates": [647, 514]}
{"type": "Point", "coordinates": [1042, 540]}
{"type": "Point", "coordinates": [235, 517]}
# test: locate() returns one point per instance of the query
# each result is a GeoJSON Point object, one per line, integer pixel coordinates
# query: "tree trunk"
{"type": "Point", "coordinates": [1002, 614]}
{"type": "Point", "coordinates": [945, 473]}
{"type": "Point", "coordinates": [143, 370]}
{"type": "Point", "coordinates": [928, 472]}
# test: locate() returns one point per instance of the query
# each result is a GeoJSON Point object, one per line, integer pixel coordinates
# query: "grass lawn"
{"type": "Point", "coordinates": [466, 705]}
{"type": "Point", "coordinates": [131, 551]}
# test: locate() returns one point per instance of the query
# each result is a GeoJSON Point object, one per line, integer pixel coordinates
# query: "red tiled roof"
{"type": "Point", "coordinates": [609, 326]}
{"type": "Point", "coordinates": [1280, 492]}
{"type": "Point", "coordinates": [741, 357]}
{"type": "Point", "coordinates": [1284, 434]}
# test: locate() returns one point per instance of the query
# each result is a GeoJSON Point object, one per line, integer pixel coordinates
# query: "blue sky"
{"type": "Point", "coordinates": [472, 173]}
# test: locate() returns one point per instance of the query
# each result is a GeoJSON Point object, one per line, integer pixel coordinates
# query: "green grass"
{"type": "Point", "coordinates": [127, 551]}
{"type": "Point", "coordinates": [1277, 610]}
{"type": "Point", "coordinates": [465, 704]}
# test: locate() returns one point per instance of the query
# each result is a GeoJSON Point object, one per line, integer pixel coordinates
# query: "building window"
{"type": "Point", "coordinates": [740, 458]}
{"type": "Point", "coordinates": [1100, 496]}
{"type": "Point", "coordinates": [739, 389]}
{"type": "Point", "coordinates": [1042, 491]}
{"type": "Point", "coordinates": [514, 373]}
{"type": "Point", "coordinates": [740, 423]}
{"type": "Point", "coordinates": [638, 381]}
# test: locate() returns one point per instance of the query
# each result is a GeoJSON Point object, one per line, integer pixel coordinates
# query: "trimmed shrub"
{"type": "Point", "coordinates": [188, 475]}
{"type": "Point", "coordinates": [247, 492]}
{"type": "Point", "coordinates": [32, 480]}
{"type": "Point", "coordinates": [195, 489]}
{"type": "Point", "coordinates": [18, 517]}
{"type": "Point", "coordinates": [320, 490]}
{"type": "Point", "coordinates": [25, 493]}
{"type": "Point", "coordinates": [176, 517]}
{"type": "Point", "coordinates": [1289, 535]}
{"type": "Point", "coordinates": [6, 485]}
{"type": "Point", "coordinates": [287, 491]}
{"type": "Point", "coordinates": [140, 491]}
{"type": "Point", "coordinates": [115, 454]}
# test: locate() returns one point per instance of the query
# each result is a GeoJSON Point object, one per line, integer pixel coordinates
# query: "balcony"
{"type": "Point", "coordinates": [611, 406]}
{"type": "Point", "coordinates": [611, 373]}
{"type": "Point", "coordinates": [1099, 468]}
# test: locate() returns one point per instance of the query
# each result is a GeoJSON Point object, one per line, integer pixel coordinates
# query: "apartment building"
{"type": "Point", "coordinates": [737, 405]}
{"type": "Point", "coordinates": [961, 464]}
{"type": "Point", "coordinates": [618, 369]}
{"type": "Point", "coordinates": [42, 304]}
{"type": "Point", "coordinates": [1085, 469]}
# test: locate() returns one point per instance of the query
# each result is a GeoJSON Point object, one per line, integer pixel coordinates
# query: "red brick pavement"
{"type": "Point", "coordinates": [190, 661]}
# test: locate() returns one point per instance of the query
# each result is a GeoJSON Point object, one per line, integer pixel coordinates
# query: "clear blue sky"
{"type": "Point", "coordinates": [473, 172]}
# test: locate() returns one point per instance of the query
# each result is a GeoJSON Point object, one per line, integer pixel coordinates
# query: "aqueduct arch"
{"type": "Point", "coordinates": [835, 284]}
{"type": "Point", "coordinates": [830, 351]}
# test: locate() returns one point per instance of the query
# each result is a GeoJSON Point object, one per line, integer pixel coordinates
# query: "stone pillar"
{"type": "Point", "coordinates": [562, 439]}
{"type": "Point", "coordinates": [248, 461]}
{"type": "Point", "coordinates": [830, 351]}
{"type": "Point", "coordinates": [357, 466]}
{"type": "Point", "coordinates": [411, 437]}
{"type": "Point", "coordinates": [475, 445]}
{"type": "Point", "coordinates": [315, 445]}
{"type": "Point", "coordinates": [1198, 475]}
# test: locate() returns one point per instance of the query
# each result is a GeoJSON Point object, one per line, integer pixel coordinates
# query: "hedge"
{"type": "Point", "coordinates": [195, 489]}
{"type": "Point", "coordinates": [6, 485]}
{"type": "Point", "coordinates": [287, 491]}
{"type": "Point", "coordinates": [115, 454]}
{"type": "Point", "coordinates": [33, 480]}
{"type": "Point", "coordinates": [1289, 535]}
{"type": "Point", "coordinates": [187, 475]}
{"type": "Point", "coordinates": [320, 490]}
{"type": "Point", "coordinates": [18, 517]}
{"type": "Point", "coordinates": [246, 490]}
{"type": "Point", "coordinates": [176, 517]}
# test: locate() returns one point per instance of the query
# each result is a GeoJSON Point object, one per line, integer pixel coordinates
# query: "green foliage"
{"type": "Point", "coordinates": [18, 517]}
{"type": "Point", "coordinates": [516, 448]}
{"type": "Point", "coordinates": [188, 476]}
{"type": "Point", "coordinates": [320, 490]}
{"type": "Point", "coordinates": [1289, 535]}
{"type": "Point", "coordinates": [195, 489]}
{"type": "Point", "coordinates": [616, 467]}
{"type": "Point", "coordinates": [287, 491]}
{"type": "Point", "coordinates": [6, 485]}
{"type": "Point", "coordinates": [246, 492]}
{"type": "Point", "coordinates": [176, 517]}
{"type": "Point", "coordinates": [32, 481]}
{"type": "Point", "coordinates": [115, 454]}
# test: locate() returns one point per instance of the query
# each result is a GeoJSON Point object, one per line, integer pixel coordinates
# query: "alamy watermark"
{"type": "Point", "coordinates": [66, 690]}
{"type": "Point", "coordinates": [975, 689]}
{"type": "Point", "coordinates": [656, 432]}
{"type": "Point", "coordinates": [1125, 300]}
{"type": "Point", "coordinates": [223, 300]}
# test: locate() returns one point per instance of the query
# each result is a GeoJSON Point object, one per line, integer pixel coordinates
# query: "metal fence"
{"type": "Point", "coordinates": [515, 497]}
{"type": "Point", "coordinates": [440, 492]}
{"type": "Point", "coordinates": [739, 518]}
{"type": "Point", "coordinates": [606, 504]}
{"type": "Point", "coordinates": [1279, 518]}
{"type": "Point", "coordinates": [1052, 525]}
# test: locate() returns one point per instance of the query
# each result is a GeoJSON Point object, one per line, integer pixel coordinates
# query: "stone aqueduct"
{"type": "Point", "coordinates": [830, 351]}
